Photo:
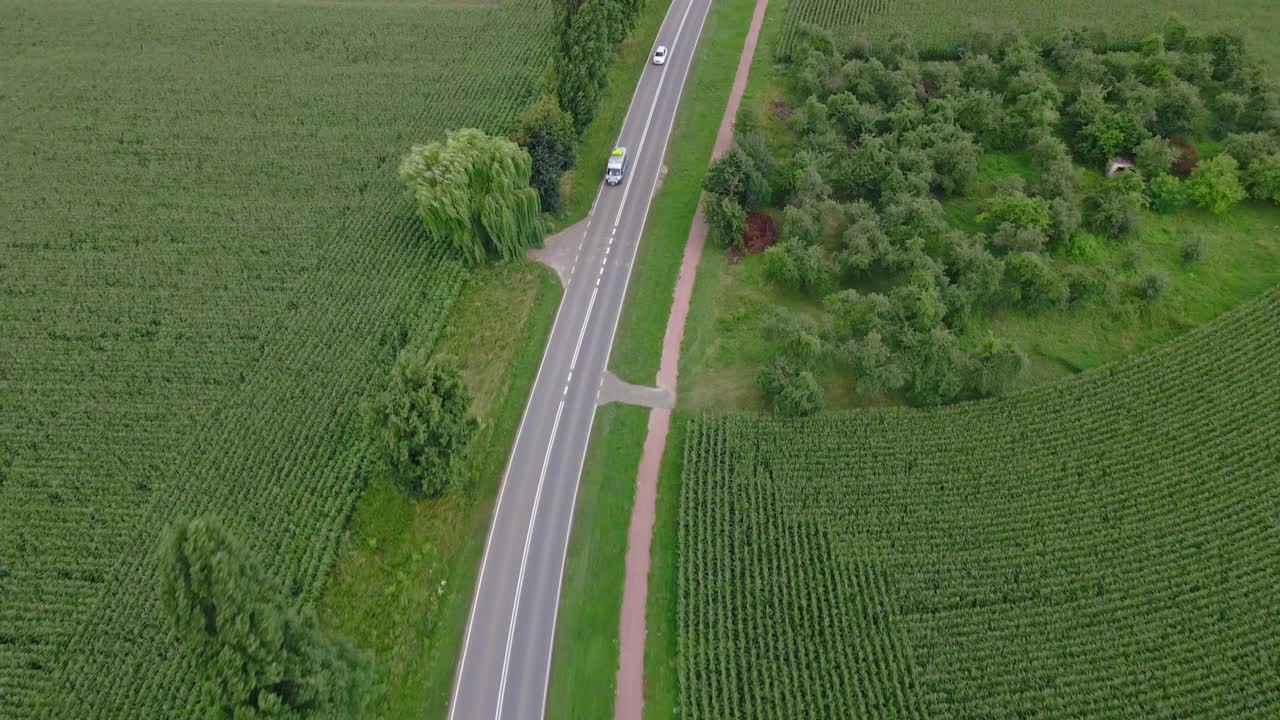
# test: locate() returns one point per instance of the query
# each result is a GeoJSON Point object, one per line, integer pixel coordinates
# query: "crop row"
{"type": "Point", "coordinates": [1102, 547]}
{"type": "Point", "coordinates": [196, 321]}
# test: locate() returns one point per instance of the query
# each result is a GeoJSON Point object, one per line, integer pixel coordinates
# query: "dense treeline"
{"type": "Point", "coordinates": [884, 136]}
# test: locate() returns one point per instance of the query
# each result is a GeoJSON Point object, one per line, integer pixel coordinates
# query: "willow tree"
{"type": "Point", "coordinates": [474, 190]}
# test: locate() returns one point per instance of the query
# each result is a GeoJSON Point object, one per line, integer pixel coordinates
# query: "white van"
{"type": "Point", "coordinates": [617, 166]}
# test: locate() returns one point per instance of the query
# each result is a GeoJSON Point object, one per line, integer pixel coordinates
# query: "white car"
{"type": "Point", "coordinates": [660, 55]}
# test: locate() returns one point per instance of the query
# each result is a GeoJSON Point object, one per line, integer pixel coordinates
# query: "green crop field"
{"type": "Point", "coordinates": [939, 23]}
{"type": "Point", "coordinates": [206, 263]}
{"type": "Point", "coordinates": [1102, 547]}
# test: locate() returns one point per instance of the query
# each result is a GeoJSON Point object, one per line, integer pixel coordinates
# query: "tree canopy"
{"type": "Point", "coordinates": [473, 189]}
{"type": "Point", "coordinates": [258, 656]}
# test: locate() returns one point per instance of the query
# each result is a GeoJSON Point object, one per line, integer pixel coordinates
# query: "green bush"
{"type": "Point", "coordinates": [546, 133]}
{"type": "Point", "coordinates": [792, 389]}
{"type": "Point", "coordinates": [257, 655]}
{"type": "Point", "coordinates": [726, 219]}
{"type": "Point", "coordinates": [1193, 249]}
{"type": "Point", "coordinates": [1033, 283]}
{"type": "Point", "coordinates": [1018, 209]}
{"type": "Point", "coordinates": [421, 425]}
{"type": "Point", "coordinates": [1166, 193]}
{"type": "Point", "coordinates": [1263, 178]}
{"type": "Point", "coordinates": [1152, 285]}
{"type": "Point", "coordinates": [1154, 156]}
{"type": "Point", "coordinates": [1114, 210]}
{"type": "Point", "coordinates": [1215, 184]}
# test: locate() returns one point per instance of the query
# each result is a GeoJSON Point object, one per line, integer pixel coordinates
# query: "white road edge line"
{"type": "Point", "coordinates": [546, 682]}
{"type": "Point", "coordinates": [524, 560]}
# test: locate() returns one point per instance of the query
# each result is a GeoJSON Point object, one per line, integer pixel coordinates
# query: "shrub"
{"type": "Point", "coordinates": [937, 374]}
{"type": "Point", "coordinates": [1154, 156]}
{"type": "Point", "coordinates": [1112, 134]}
{"type": "Point", "coordinates": [1016, 209]}
{"type": "Point", "coordinates": [791, 389]}
{"type": "Point", "coordinates": [1033, 283]}
{"type": "Point", "coordinates": [421, 425]}
{"type": "Point", "coordinates": [1215, 184]}
{"type": "Point", "coordinates": [1113, 210]}
{"type": "Point", "coordinates": [1011, 237]}
{"type": "Point", "coordinates": [800, 267]}
{"type": "Point", "coordinates": [1089, 284]}
{"type": "Point", "coordinates": [1166, 193]}
{"type": "Point", "coordinates": [726, 219]}
{"type": "Point", "coordinates": [1187, 160]}
{"type": "Point", "coordinates": [1152, 285]}
{"type": "Point", "coordinates": [1178, 109]}
{"type": "Point", "coordinates": [257, 655]}
{"type": "Point", "coordinates": [1249, 147]}
{"type": "Point", "coordinates": [1193, 249]}
{"type": "Point", "coordinates": [995, 365]}
{"type": "Point", "coordinates": [1263, 178]}
{"type": "Point", "coordinates": [546, 133]}
{"type": "Point", "coordinates": [1065, 219]}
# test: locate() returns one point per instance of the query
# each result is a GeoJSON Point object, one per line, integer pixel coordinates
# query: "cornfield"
{"type": "Point", "coordinates": [208, 262]}
{"type": "Point", "coordinates": [1104, 547]}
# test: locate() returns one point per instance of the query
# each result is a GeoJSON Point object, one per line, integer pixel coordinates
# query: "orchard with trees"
{"type": "Point", "coordinates": [881, 139]}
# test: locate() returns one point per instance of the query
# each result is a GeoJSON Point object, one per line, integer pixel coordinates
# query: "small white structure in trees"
{"type": "Point", "coordinates": [1119, 164]}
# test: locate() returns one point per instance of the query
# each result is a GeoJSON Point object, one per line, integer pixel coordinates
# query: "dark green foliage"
{"type": "Point", "coordinates": [799, 267]}
{"type": "Point", "coordinates": [994, 366]}
{"type": "Point", "coordinates": [726, 219]}
{"type": "Point", "coordinates": [1018, 209]}
{"type": "Point", "coordinates": [421, 425]}
{"type": "Point", "coordinates": [546, 132]}
{"type": "Point", "coordinates": [1215, 184]}
{"type": "Point", "coordinates": [735, 175]}
{"type": "Point", "coordinates": [1114, 133]}
{"type": "Point", "coordinates": [1249, 147]}
{"type": "Point", "coordinates": [1263, 178]}
{"type": "Point", "coordinates": [1154, 156]}
{"type": "Point", "coordinates": [937, 368]}
{"type": "Point", "coordinates": [877, 368]}
{"type": "Point", "coordinates": [1179, 110]}
{"type": "Point", "coordinates": [1086, 284]}
{"type": "Point", "coordinates": [1113, 209]}
{"type": "Point", "coordinates": [1064, 219]}
{"type": "Point", "coordinates": [582, 68]}
{"type": "Point", "coordinates": [1011, 237]}
{"type": "Point", "coordinates": [792, 390]}
{"type": "Point", "coordinates": [1151, 285]}
{"type": "Point", "coordinates": [1193, 249]}
{"type": "Point", "coordinates": [1166, 193]}
{"type": "Point", "coordinates": [258, 657]}
{"type": "Point", "coordinates": [473, 190]}
{"type": "Point", "coordinates": [1033, 283]}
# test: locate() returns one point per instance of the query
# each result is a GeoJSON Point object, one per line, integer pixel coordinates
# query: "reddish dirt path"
{"type": "Point", "coordinates": [629, 704]}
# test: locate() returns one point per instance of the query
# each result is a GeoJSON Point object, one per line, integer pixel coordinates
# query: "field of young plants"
{"type": "Point", "coordinates": [207, 263]}
{"type": "Point", "coordinates": [1102, 547]}
{"type": "Point", "coordinates": [939, 23]}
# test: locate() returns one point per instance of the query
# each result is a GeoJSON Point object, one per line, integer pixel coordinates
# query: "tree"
{"type": "Point", "coordinates": [1263, 178]}
{"type": "Point", "coordinates": [876, 365]}
{"type": "Point", "coordinates": [937, 375]}
{"type": "Point", "coordinates": [1215, 184]}
{"type": "Point", "coordinates": [995, 365]}
{"type": "Point", "coordinates": [1033, 283]}
{"type": "Point", "coordinates": [792, 390]}
{"type": "Point", "coordinates": [1113, 210]}
{"type": "Point", "coordinates": [1166, 193]}
{"type": "Point", "coordinates": [1152, 285]}
{"type": "Point", "coordinates": [1251, 146]}
{"type": "Point", "coordinates": [1018, 209]}
{"type": "Point", "coordinates": [258, 657]}
{"type": "Point", "coordinates": [1110, 135]}
{"type": "Point", "coordinates": [546, 133]}
{"type": "Point", "coordinates": [421, 424]}
{"type": "Point", "coordinates": [1179, 109]}
{"type": "Point", "coordinates": [1154, 156]}
{"type": "Point", "coordinates": [473, 190]}
{"type": "Point", "coordinates": [582, 67]}
{"type": "Point", "coordinates": [726, 219]}
{"type": "Point", "coordinates": [800, 267]}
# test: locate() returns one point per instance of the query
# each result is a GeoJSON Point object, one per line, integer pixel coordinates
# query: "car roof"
{"type": "Point", "coordinates": [662, 48]}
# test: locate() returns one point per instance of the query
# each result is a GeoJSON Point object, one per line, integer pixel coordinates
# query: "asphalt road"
{"type": "Point", "coordinates": [505, 663]}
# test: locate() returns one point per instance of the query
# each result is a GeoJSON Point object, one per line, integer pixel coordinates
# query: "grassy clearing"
{"type": "Point", "coordinates": [585, 667]}
{"type": "Point", "coordinates": [404, 582]}
{"type": "Point", "coordinates": [637, 349]}
{"type": "Point", "coordinates": [660, 700]}
{"type": "Point", "coordinates": [581, 183]}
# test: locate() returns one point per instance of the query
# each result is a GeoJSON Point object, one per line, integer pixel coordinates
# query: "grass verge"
{"type": "Point", "coordinates": [638, 347]}
{"type": "Point", "coordinates": [660, 698]}
{"type": "Point", "coordinates": [585, 665]}
{"type": "Point", "coordinates": [580, 184]}
{"type": "Point", "coordinates": [404, 580]}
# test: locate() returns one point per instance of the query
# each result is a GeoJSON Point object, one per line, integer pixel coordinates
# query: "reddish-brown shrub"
{"type": "Point", "coordinates": [1188, 157]}
{"type": "Point", "coordinates": [762, 231]}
